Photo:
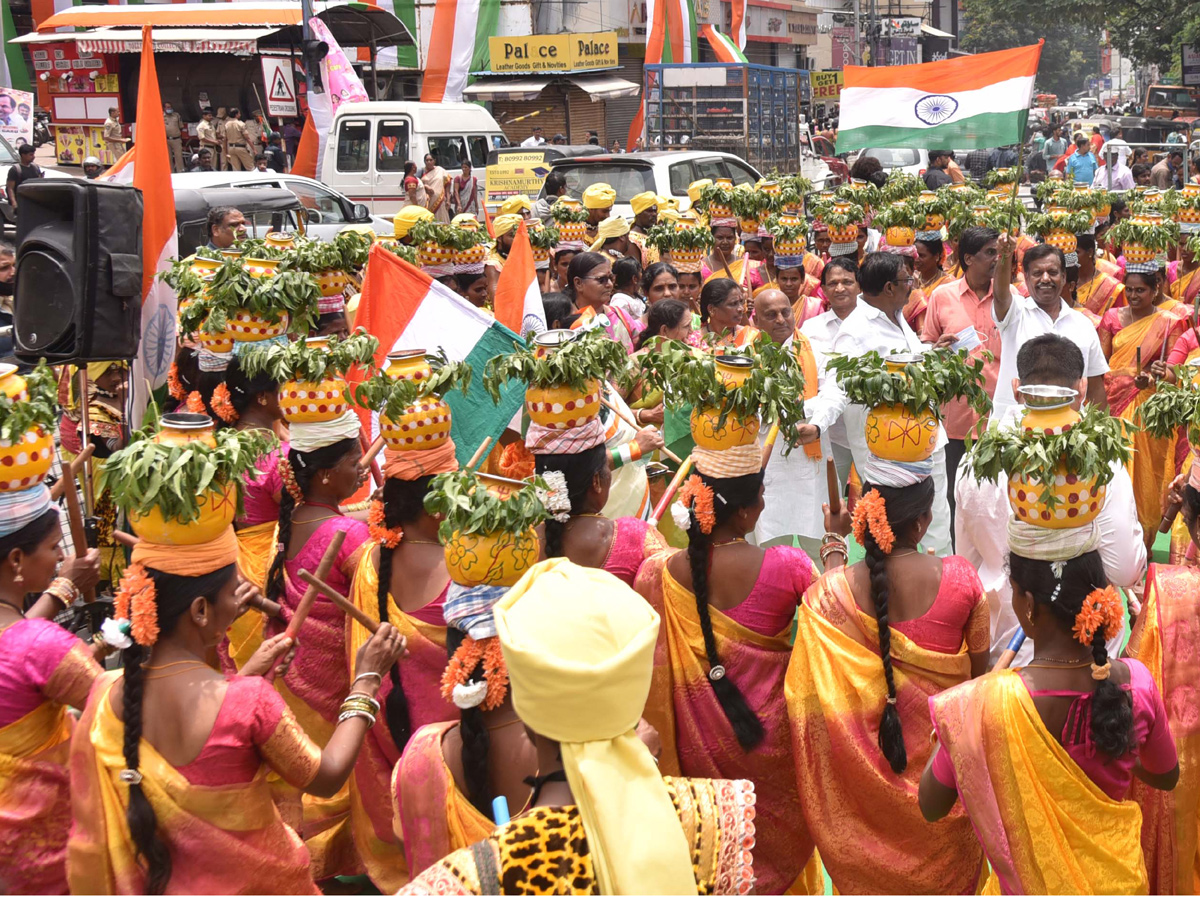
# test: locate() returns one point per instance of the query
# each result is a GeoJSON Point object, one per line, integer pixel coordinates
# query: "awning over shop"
{"type": "Point", "coordinates": [935, 32]}
{"type": "Point", "coordinates": [599, 87]}
{"type": "Point", "coordinates": [167, 40]}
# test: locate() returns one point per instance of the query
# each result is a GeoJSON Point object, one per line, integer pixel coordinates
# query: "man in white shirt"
{"type": "Point", "coordinates": [981, 527]}
{"type": "Point", "coordinates": [1043, 312]}
{"type": "Point", "coordinates": [536, 139]}
{"type": "Point", "coordinates": [878, 324]}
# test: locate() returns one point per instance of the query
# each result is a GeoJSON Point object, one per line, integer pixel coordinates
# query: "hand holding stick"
{"type": "Point", "coordinates": [339, 601]}
{"type": "Point", "coordinates": [636, 427]}
{"type": "Point", "coordinates": [665, 501]}
{"type": "Point", "coordinates": [310, 595]}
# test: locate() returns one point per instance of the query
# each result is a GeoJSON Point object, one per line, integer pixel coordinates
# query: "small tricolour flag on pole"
{"type": "Point", "coordinates": [518, 303]}
{"type": "Point", "coordinates": [405, 309]}
{"type": "Point", "coordinates": [725, 48]}
{"type": "Point", "coordinates": [967, 103]}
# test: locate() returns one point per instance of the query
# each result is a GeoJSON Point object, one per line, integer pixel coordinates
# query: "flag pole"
{"type": "Point", "coordinates": [1012, 210]}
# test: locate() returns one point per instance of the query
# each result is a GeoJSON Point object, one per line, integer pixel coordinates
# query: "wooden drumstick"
{"type": "Point", "coordinates": [364, 441]}
{"type": "Point", "coordinates": [372, 452]}
{"type": "Point", "coordinates": [78, 532]}
{"type": "Point", "coordinates": [769, 443]}
{"type": "Point", "coordinates": [339, 601]}
{"type": "Point", "coordinates": [834, 485]}
{"type": "Point", "coordinates": [636, 427]}
{"type": "Point", "coordinates": [479, 453]}
{"type": "Point", "coordinates": [1010, 652]}
{"type": "Point", "coordinates": [310, 595]}
{"type": "Point", "coordinates": [668, 495]}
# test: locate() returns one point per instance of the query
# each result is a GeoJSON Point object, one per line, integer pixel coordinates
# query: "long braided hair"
{"type": "Point", "coordinates": [578, 469]}
{"type": "Point", "coordinates": [729, 496]}
{"type": "Point", "coordinates": [174, 596]}
{"type": "Point", "coordinates": [403, 502]}
{"type": "Point", "coordinates": [904, 506]}
{"type": "Point", "coordinates": [476, 745]}
{"type": "Point", "coordinates": [305, 467]}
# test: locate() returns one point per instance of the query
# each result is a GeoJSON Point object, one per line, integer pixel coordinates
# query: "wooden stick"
{"type": "Point", "coordinates": [665, 501]}
{"type": "Point", "coordinates": [310, 595]}
{"type": "Point", "coordinates": [339, 601]}
{"type": "Point", "coordinates": [769, 443]}
{"type": "Point", "coordinates": [364, 441]}
{"type": "Point", "coordinates": [126, 539]}
{"type": "Point", "coordinates": [1010, 652]}
{"type": "Point", "coordinates": [372, 452]}
{"type": "Point", "coordinates": [78, 532]}
{"type": "Point", "coordinates": [636, 427]}
{"type": "Point", "coordinates": [835, 487]}
{"type": "Point", "coordinates": [479, 453]}
{"type": "Point", "coordinates": [70, 472]}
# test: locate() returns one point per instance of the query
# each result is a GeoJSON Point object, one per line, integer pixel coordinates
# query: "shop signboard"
{"type": "Point", "coordinates": [553, 52]}
{"type": "Point", "coordinates": [826, 86]}
{"type": "Point", "coordinates": [516, 172]}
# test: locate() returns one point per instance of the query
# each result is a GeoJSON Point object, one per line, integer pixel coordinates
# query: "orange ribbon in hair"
{"type": "Point", "coordinates": [870, 514]}
{"type": "Point", "coordinates": [409, 465]}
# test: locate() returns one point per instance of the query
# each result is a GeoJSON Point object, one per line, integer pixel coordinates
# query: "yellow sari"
{"type": "Point", "coordinates": [256, 548]}
{"type": "Point", "coordinates": [1045, 826]}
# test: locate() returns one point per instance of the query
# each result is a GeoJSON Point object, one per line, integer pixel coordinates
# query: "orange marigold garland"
{"type": "Point", "coordinates": [471, 653]}
{"type": "Point", "coordinates": [195, 403]}
{"type": "Point", "coordinates": [870, 515]}
{"type": "Point", "coordinates": [1101, 609]}
{"type": "Point", "coordinates": [222, 404]}
{"type": "Point", "coordinates": [135, 601]}
{"type": "Point", "coordinates": [516, 461]}
{"type": "Point", "coordinates": [174, 385]}
{"type": "Point", "coordinates": [288, 477]}
{"type": "Point", "coordinates": [376, 522]}
{"type": "Point", "coordinates": [698, 496]}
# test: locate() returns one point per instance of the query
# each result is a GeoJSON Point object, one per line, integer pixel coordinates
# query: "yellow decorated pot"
{"type": "Point", "coordinates": [281, 240]}
{"type": "Point", "coordinates": [431, 253]}
{"type": "Point", "coordinates": [423, 426]}
{"type": "Point", "coordinates": [331, 282]}
{"type": "Point", "coordinates": [25, 462]}
{"type": "Point", "coordinates": [1048, 408]}
{"type": "Point", "coordinates": [733, 370]}
{"type": "Point", "coordinates": [1139, 254]}
{"type": "Point", "coordinates": [748, 226]}
{"type": "Point", "coordinates": [260, 268]}
{"type": "Point", "coordinates": [1077, 502]}
{"type": "Point", "coordinates": [708, 433]}
{"type": "Point", "coordinates": [230, 253]}
{"type": "Point", "coordinates": [202, 265]}
{"type": "Point", "coordinates": [900, 236]}
{"type": "Point", "coordinates": [562, 407]}
{"type": "Point", "coordinates": [246, 327]}
{"type": "Point", "coordinates": [215, 343]}
{"type": "Point", "coordinates": [307, 401]}
{"type": "Point", "coordinates": [719, 211]}
{"type": "Point", "coordinates": [548, 341]}
{"type": "Point", "coordinates": [687, 257]}
{"type": "Point", "coordinates": [572, 232]}
{"type": "Point", "coordinates": [179, 429]}
{"type": "Point", "coordinates": [12, 385]}
{"type": "Point", "coordinates": [494, 559]}
{"type": "Point", "coordinates": [843, 234]}
{"type": "Point", "coordinates": [408, 365]}
{"type": "Point", "coordinates": [1064, 240]}
{"type": "Point", "coordinates": [892, 432]}
{"type": "Point", "coordinates": [217, 509]}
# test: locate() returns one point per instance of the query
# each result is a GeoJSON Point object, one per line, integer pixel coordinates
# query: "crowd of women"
{"type": "Point", "coordinates": [717, 682]}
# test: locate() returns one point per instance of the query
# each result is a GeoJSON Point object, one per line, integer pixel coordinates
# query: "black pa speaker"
{"type": "Point", "coordinates": [79, 271]}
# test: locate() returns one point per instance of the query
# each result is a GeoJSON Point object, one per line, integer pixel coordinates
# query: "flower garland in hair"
{"type": "Point", "coordinates": [174, 385]}
{"type": "Point", "coordinates": [1101, 609]}
{"type": "Point", "coordinates": [376, 523]}
{"type": "Point", "coordinates": [195, 403]}
{"type": "Point", "coordinates": [870, 515]}
{"type": "Point", "coordinates": [135, 601]}
{"type": "Point", "coordinates": [698, 496]}
{"type": "Point", "coordinates": [556, 499]}
{"type": "Point", "coordinates": [516, 461]}
{"type": "Point", "coordinates": [222, 404]}
{"type": "Point", "coordinates": [288, 477]}
{"type": "Point", "coordinates": [457, 687]}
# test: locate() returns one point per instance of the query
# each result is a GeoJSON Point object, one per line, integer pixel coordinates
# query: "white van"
{"type": "Point", "coordinates": [369, 143]}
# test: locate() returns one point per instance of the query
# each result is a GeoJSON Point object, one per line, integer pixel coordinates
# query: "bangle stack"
{"type": "Point", "coordinates": [63, 590]}
{"type": "Point", "coordinates": [832, 543]}
{"type": "Point", "coordinates": [359, 706]}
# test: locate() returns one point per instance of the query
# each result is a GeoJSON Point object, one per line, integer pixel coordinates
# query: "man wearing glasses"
{"type": "Point", "coordinates": [877, 324]}
{"type": "Point", "coordinates": [226, 226]}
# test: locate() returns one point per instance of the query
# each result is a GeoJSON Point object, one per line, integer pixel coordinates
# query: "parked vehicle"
{"type": "Point", "coordinates": [41, 127]}
{"type": "Point", "coordinates": [825, 150]}
{"type": "Point", "coordinates": [912, 162]}
{"type": "Point", "coordinates": [369, 143]}
{"type": "Point", "coordinates": [327, 212]}
{"type": "Point", "coordinates": [521, 170]}
{"type": "Point", "coordinates": [265, 209]}
{"type": "Point", "coordinates": [1164, 101]}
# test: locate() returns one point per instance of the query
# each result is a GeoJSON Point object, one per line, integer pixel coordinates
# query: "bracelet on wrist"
{"type": "Point", "coordinates": [63, 590]}
{"type": "Point", "coordinates": [363, 675]}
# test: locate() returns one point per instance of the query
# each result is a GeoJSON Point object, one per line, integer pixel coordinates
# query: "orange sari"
{"type": "Point", "coordinates": [1167, 641]}
{"type": "Point", "coordinates": [1100, 294]}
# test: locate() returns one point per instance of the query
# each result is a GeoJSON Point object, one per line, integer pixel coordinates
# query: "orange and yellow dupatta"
{"type": "Point", "coordinates": [1045, 826]}
{"type": "Point", "coordinates": [222, 840]}
{"type": "Point", "coordinates": [863, 816]}
{"type": "Point", "coordinates": [696, 734]}
{"type": "Point", "coordinates": [1167, 641]}
{"type": "Point", "coordinates": [256, 549]}
{"type": "Point", "coordinates": [35, 803]}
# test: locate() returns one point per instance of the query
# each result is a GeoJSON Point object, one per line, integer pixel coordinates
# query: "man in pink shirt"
{"type": "Point", "coordinates": [963, 308]}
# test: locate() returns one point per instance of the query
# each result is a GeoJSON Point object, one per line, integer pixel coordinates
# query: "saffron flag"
{"type": "Point", "coordinates": [405, 308]}
{"type": "Point", "coordinates": [518, 303]}
{"type": "Point", "coordinates": [671, 37]}
{"type": "Point", "coordinates": [458, 46]}
{"type": "Point", "coordinates": [147, 166]}
{"type": "Point", "coordinates": [737, 24]}
{"type": "Point", "coordinates": [971, 102]}
{"type": "Point", "coordinates": [723, 46]}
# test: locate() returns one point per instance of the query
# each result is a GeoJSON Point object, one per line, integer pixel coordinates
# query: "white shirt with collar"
{"type": "Point", "coordinates": [1027, 320]}
{"type": "Point", "coordinates": [533, 141]}
{"type": "Point", "coordinates": [821, 331]}
{"type": "Point", "coordinates": [981, 536]}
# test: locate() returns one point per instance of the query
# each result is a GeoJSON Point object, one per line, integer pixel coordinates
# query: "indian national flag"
{"type": "Point", "coordinates": [405, 309]}
{"type": "Point", "coordinates": [725, 48]}
{"type": "Point", "coordinates": [966, 103]}
{"type": "Point", "coordinates": [518, 298]}
{"type": "Point", "coordinates": [457, 45]}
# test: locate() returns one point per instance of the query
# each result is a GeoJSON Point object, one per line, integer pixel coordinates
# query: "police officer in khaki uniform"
{"type": "Point", "coordinates": [209, 138]}
{"type": "Point", "coordinates": [254, 133]}
{"type": "Point", "coordinates": [114, 138]}
{"type": "Point", "coordinates": [174, 125]}
{"type": "Point", "coordinates": [238, 142]}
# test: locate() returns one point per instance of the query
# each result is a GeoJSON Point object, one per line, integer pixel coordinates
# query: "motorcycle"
{"type": "Point", "coordinates": [41, 128]}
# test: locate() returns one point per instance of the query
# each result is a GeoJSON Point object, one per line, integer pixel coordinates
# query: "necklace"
{"type": "Point", "coordinates": [926, 283]}
{"type": "Point", "coordinates": [503, 724]}
{"type": "Point", "coordinates": [314, 521]}
{"type": "Point", "coordinates": [1068, 663]}
{"type": "Point", "coordinates": [900, 553]}
{"type": "Point", "coordinates": [193, 666]}
{"type": "Point", "coordinates": [332, 509]}
{"type": "Point", "coordinates": [170, 665]}
{"type": "Point", "coordinates": [409, 540]}
{"type": "Point", "coordinates": [730, 541]}
{"type": "Point", "coordinates": [20, 612]}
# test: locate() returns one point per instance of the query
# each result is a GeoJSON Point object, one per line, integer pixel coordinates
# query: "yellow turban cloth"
{"type": "Point", "coordinates": [466, 221]}
{"type": "Point", "coordinates": [696, 188]}
{"type": "Point", "coordinates": [358, 229]}
{"type": "Point", "coordinates": [643, 201]}
{"type": "Point", "coordinates": [407, 218]}
{"type": "Point", "coordinates": [579, 647]}
{"type": "Point", "coordinates": [505, 223]}
{"type": "Point", "coordinates": [599, 196]}
{"type": "Point", "coordinates": [612, 227]}
{"type": "Point", "coordinates": [514, 205]}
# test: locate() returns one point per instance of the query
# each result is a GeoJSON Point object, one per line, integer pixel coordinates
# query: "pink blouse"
{"type": "Point", "coordinates": [629, 547]}
{"type": "Point", "coordinates": [959, 611]}
{"type": "Point", "coordinates": [1155, 747]}
{"type": "Point", "coordinates": [31, 652]}
{"type": "Point", "coordinates": [771, 604]}
{"type": "Point", "coordinates": [431, 612]}
{"type": "Point", "coordinates": [260, 495]}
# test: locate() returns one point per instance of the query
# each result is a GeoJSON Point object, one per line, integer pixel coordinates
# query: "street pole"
{"type": "Point", "coordinates": [857, 34]}
{"type": "Point", "coordinates": [306, 34]}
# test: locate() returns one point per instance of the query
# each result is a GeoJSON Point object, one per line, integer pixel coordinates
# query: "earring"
{"type": "Point", "coordinates": [325, 480]}
{"type": "Point", "coordinates": [18, 578]}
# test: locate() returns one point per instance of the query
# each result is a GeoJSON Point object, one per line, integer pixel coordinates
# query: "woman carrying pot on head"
{"type": "Point", "coordinates": [875, 641]}
{"type": "Point", "coordinates": [723, 314]}
{"type": "Point", "coordinates": [321, 470]}
{"type": "Point", "coordinates": [1061, 739]}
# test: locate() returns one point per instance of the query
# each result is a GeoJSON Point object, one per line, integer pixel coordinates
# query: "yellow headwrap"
{"type": "Point", "coordinates": [515, 205]}
{"type": "Point", "coordinates": [358, 229]}
{"type": "Point", "coordinates": [408, 217]}
{"type": "Point", "coordinates": [599, 196]}
{"type": "Point", "coordinates": [643, 201]}
{"type": "Point", "coordinates": [504, 224]}
{"type": "Point", "coordinates": [695, 188]}
{"type": "Point", "coordinates": [579, 647]}
{"type": "Point", "coordinates": [466, 221]}
{"type": "Point", "coordinates": [668, 214]}
{"type": "Point", "coordinates": [612, 227]}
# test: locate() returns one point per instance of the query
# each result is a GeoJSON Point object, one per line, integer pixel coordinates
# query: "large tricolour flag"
{"type": "Point", "coordinates": [967, 103]}
{"type": "Point", "coordinates": [724, 47]}
{"type": "Point", "coordinates": [406, 309]}
{"type": "Point", "coordinates": [518, 303]}
{"type": "Point", "coordinates": [148, 168]}
{"type": "Point", "coordinates": [457, 46]}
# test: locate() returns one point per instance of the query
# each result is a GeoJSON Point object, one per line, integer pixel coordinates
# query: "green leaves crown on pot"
{"type": "Point", "coordinates": [1161, 236]}
{"type": "Point", "coordinates": [258, 248]}
{"type": "Point", "coordinates": [592, 356]}
{"type": "Point", "coordinates": [942, 203]}
{"type": "Point", "coordinates": [792, 188]}
{"type": "Point", "coordinates": [406, 252]}
{"type": "Point", "coordinates": [561, 213]}
{"type": "Point", "coordinates": [545, 237]}
{"type": "Point", "coordinates": [145, 475]}
{"type": "Point", "coordinates": [346, 252]}
{"type": "Point", "coordinates": [298, 361]}
{"type": "Point", "coordinates": [470, 508]}
{"type": "Point", "coordinates": [901, 186]}
{"type": "Point", "coordinates": [392, 396]}
{"type": "Point", "coordinates": [1075, 221]}
{"type": "Point", "coordinates": [772, 392]}
{"type": "Point", "coordinates": [906, 214]}
{"type": "Point", "coordinates": [1088, 450]}
{"type": "Point", "coordinates": [1007, 175]}
{"type": "Point", "coordinates": [965, 195]}
{"type": "Point", "coordinates": [868, 193]}
{"type": "Point", "coordinates": [1171, 406]}
{"type": "Point", "coordinates": [40, 409]}
{"type": "Point", "coordinates": [782, 232]}
{"type": "Point", "coordinates": [292, 292]}
{"type": "Point", "coordinates": [747, 201]}
{"type": "Point", "coordinates": [182, 280]}
{"type": "Point", "coordinates": [1193, 245]}
{"type": "Point", "coordinates": [829, 213]}
{"type": "Point", "coordinates": [716, 193]}
{"type": "Point", "coordinates": [444, 234]}
{"type": "Point", "coordinates": [923, 386]}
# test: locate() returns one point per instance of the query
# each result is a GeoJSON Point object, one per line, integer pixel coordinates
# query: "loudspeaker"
{"type": "Point", "coordinates": [79, 271]}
